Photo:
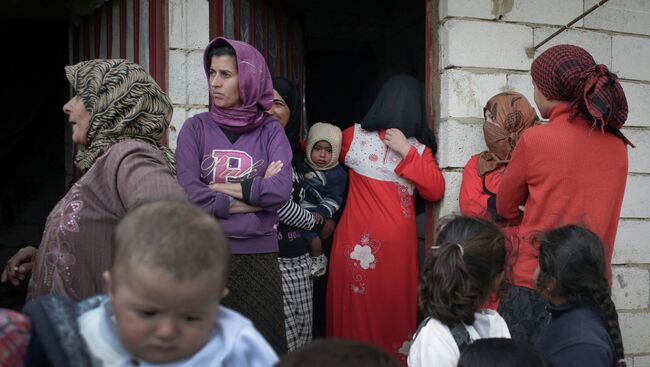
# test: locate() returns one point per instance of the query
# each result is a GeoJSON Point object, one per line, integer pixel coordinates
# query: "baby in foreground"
{"type": "Point", "coordinates": [168, 275]}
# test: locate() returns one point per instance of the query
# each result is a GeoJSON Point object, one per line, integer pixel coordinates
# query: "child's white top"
{"type": "Point", "coordinates": [234, 342]}
{"type": "Point", "coordinates": [435, 346]}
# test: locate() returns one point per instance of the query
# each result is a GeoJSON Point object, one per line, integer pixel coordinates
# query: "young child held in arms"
{"type": "Point", "coordinates": [466, 265]}
{"type": "Point", "coordinates": [326, 182]}
{"type": "Point", "coordinates": [168, 275]}
{"type": "Point", "coordinates": [583, 327]}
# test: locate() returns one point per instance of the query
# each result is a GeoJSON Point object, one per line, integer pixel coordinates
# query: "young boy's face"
{"type": "Point", "coordinates": [321, 153]}
{"type": "Point", "coordinates": [161, 319]}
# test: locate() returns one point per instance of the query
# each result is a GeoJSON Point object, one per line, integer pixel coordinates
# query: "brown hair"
{"type": "Point", "coordinates": [172, 235]}
{"type": "Point", "coordinates": [459, 274]}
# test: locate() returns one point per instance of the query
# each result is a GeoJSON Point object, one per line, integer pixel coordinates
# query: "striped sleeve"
{"type": "Point", "coordinates": [293, 215]}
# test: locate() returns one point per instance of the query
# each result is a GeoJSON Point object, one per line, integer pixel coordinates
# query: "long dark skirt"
{"type": "Point", "coordinates": [255, 286]}
{"type": "Point", "coordinates": [524, 311]}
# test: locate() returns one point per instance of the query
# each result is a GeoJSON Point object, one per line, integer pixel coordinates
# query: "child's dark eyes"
{"type": "Point", "coordinates": [147, 313]}
{"type": "Point", "coordinates": [192, 318]}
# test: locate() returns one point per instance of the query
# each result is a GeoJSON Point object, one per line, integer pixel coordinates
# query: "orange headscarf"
{"type": "Point", "coordinates": [513, 114]}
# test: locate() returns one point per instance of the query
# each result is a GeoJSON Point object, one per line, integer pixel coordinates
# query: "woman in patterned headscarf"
{"type": "Point", "coordinates": [569, 171]}
{"type": "Point", "coordinates": [119, 114]}
{"type": "Point", "coordinates": [507, 115]}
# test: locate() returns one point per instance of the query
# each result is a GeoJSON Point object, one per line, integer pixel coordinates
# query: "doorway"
{"type": "Point", "coordinates": [33, 138]}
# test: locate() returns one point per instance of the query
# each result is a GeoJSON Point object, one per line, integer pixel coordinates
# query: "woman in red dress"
{"type": "Point", "coordinates": [372, 288]}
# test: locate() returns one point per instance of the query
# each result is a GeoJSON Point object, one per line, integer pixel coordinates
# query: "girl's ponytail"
{"type": "Point", "coordinates": [458, 276]}
{"type": "Point", "coordinates": [602, 297]}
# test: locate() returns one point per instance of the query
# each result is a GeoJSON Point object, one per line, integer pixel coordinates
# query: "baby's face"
{"type": "Point", "coordinates": [321, 153]}
{"type": "Point", "coordinates": [161, 319]}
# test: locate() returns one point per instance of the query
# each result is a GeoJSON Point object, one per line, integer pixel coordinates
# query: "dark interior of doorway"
{"type": "Point", "coordinates": [33, 138]}
{"type": "Point", "coordinates": [352, 47]}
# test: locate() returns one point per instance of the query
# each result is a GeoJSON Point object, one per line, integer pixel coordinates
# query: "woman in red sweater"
{"type": "Point", "coordinates": [507, 115]}
{"type": "Point", "coordinates": [570, 171]}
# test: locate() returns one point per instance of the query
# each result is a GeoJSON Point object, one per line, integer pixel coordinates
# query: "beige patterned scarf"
{"type": "Point", "coordinates": [124, 102]}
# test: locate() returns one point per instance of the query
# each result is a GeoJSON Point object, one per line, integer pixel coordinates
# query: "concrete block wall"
{"type": "Point", "coordinates": [482, 53]}
{"type": "Point", "coordinates": [188, 84]}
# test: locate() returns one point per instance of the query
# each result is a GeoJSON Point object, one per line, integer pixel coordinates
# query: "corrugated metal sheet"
{"type": "Point", "coordinates": [128, 29]}
{"type": "Point", "coordinates": [277, 35]}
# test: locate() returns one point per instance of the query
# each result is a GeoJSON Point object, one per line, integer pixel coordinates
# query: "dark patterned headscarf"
{"type": "Point", "coordinates": [569, 73]}
{"type": "Point", "coordinates": [512, 114]}
{"type": "Point", "coordinates": [124, 102]}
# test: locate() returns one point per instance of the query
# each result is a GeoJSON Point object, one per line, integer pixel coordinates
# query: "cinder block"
{"type": "Point", "coordinates": [458, 141]}
{"type": "Point", "coordinates": [631, 242]}
{"type": "Point", "coordinates": [630, 288]}
{"type": "Point", "coordinates": [197, 80]}
{"type": "Point", "coordinates": [627, 16]}
{"type": "Point", "coordinates": [466, 8]}
{"type": "Point", "coordinates": [638, 103]}
{"type": "Point", "coordinates": [188, 24]}
{"type": "Point", "coordinates": [634, 327]}
{"type": "Point", "coordinates": [599, 45]}
{"type": "Point", "coordinates": [485, 44]}
{"type": "Point", "coordinates": [449, 203]}
{"type": "Point", "coordinates": [636, 203]}
{"type": "Point", "coordinates": [557, 12]}
{"type": "Point", "coordinates": [630, 57]}
{"type": "Point", "coordinates": [178, 119]}
{"type": "Point", "coordinates": [640, 361]}
{"type": "Point", "coordinates": [638, 157]}
{"type": "Point", "coordinates": [464, 94]}
{"type": "Point", "coordinates": [178, 69]}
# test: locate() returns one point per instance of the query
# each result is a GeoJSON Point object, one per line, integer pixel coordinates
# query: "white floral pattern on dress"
{"type": "Point", "coordinates": [370, 157]}
{"type": "Point", "coordinates": [364, 258]}
{"type": "Point", "coordinates": [57, 265]}
{"type": "Point", "coordinates": [68, 215]}
{"type": "Point", "coordinates": [405, 200]}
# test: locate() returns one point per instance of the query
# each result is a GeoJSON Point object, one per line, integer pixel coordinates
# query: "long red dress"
{"type": "Point", "coordinates": [373, 277]}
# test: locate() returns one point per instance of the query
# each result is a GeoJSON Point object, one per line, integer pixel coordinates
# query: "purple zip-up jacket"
{"type": "Point", "coordinates": [204, 156]}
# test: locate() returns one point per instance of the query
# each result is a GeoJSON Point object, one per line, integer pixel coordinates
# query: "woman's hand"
{"type": "Point", "coordinates": [273, 169]}
{"type": "Point", "coordinates": [19, 266]}
{"type": "Point", "coordinates": [396, 141]}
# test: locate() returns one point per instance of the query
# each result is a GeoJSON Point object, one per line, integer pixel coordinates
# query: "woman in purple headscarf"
{"type": "Point", "coordinates": [235, 162]}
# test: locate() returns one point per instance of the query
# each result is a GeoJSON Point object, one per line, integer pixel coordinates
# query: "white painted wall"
{"type": "Point", "coordinates": [482, 47]}
{"type": "Point", "coordinates": [188, 84]}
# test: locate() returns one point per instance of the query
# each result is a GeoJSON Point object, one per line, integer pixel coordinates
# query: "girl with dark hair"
{"type": "Point", "coordinates": [583, 327]}
{"type": "Point", "coordinates": [233, 161]}
{"type": "Point", "coordinates": [571, 170]}
{"type": "Point", "coordinates": [467, 264]}
{"type": "Point", "coordinates": [372, 288]}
